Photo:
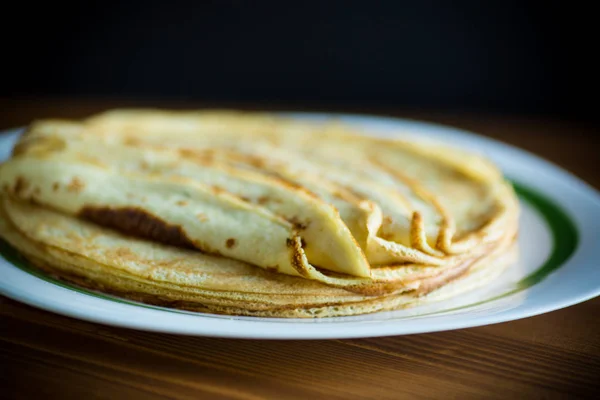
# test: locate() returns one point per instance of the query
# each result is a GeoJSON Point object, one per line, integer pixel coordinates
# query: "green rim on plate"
{"type": "Point", "coordinates": [565, 238]}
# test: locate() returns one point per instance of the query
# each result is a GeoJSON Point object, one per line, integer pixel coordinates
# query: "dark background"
{"type": "Point", "coordinates": [517, 57]}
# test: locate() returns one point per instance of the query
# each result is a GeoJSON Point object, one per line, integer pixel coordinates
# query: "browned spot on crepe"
{"type": "Point", "coordinates": [298, 225]}
{"type": "Point", "coordinates": [262, 200]}
{"type": "Point", "coordinates": [272, 268]}
{"type": "Point", "coordinates": [131, 141]}
{"type": "Point", "coordinates": [205, 157]}
{"type": "Point", "coordinates": [138, 222]}
{"type": "Point", "coordinates": [201, 217]}
{"type": "Point", "coordinates": [296, 259]}
{"type": "Point", "coordinates": [20, 185]}
{"type": "Point", "coordinates": [75, 185]}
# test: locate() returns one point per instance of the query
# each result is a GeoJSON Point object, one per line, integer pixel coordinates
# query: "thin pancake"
{"type": "Point", "coordinates": [183, 207]}
{"type": "Point", "coordinates": [106, 260]}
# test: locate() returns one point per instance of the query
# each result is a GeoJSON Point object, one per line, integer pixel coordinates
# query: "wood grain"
{"type": "Point", "coordinates": [555, 355]}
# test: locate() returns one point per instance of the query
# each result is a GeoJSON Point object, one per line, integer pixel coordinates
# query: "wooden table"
{"type": "Point", "coordinates": [556, 355]}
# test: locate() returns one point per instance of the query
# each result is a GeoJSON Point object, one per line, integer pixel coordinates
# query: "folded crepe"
{"type": "Point", "coordinates": [252, 214]}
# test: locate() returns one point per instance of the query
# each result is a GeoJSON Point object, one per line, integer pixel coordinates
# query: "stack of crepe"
{"type": "Point", "coordinates": [254, 214]}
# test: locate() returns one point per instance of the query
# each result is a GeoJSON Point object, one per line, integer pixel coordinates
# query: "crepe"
{"type": "Point", "coordinates": [252, 214]}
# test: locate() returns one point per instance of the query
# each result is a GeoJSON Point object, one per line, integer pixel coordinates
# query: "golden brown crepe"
{"type": "Point", "coordinates": [253, 214]}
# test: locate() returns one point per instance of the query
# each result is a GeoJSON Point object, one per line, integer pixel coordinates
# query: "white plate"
{"type": "Point", "coordinates": [560, 225]}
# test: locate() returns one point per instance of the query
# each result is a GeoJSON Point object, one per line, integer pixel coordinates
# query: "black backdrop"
{"type": "Point", "coordinates": [508, 56]}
